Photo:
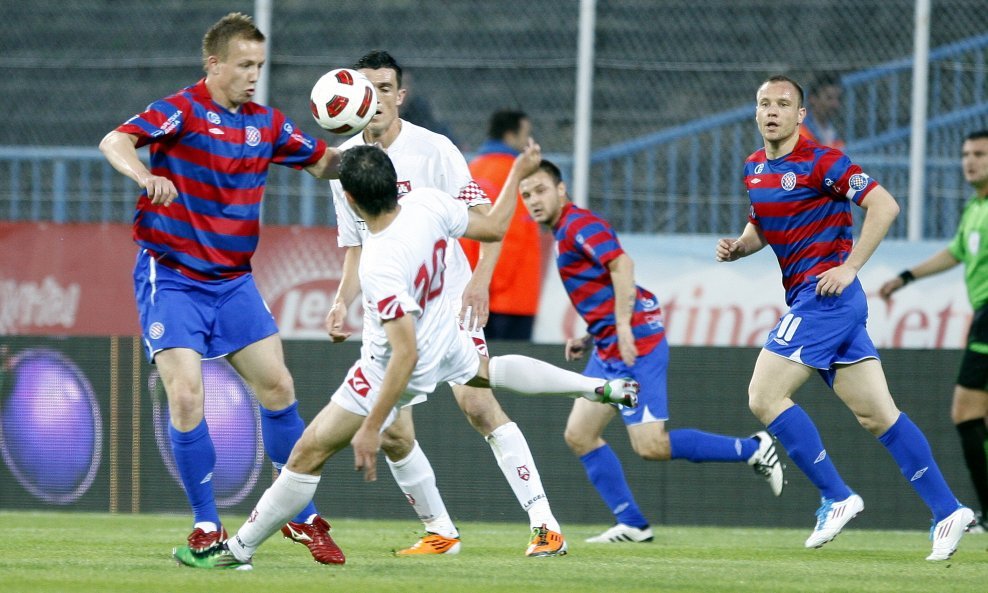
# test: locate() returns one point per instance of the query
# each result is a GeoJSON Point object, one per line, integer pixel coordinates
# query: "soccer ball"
{"type": "Point", "coordinates": [343, 101]}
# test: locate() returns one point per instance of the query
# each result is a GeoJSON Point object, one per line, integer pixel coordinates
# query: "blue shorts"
{"type": "Point", "coordinates": [824, 331]}
{"type": "Point", "coordinates": [212, 318]}
{"type": "Point", "coordinates": [650, 372]}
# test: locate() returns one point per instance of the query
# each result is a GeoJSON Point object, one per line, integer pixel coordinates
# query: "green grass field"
{"type": "Point", "coordinates": [75, 552]}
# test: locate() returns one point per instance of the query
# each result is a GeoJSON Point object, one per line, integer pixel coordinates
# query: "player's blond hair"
{"type": "Point", "coordinates": [236, 25]}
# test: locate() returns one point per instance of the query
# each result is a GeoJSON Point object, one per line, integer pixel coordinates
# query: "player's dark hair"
{"type": "Point", "coordinates": [504, 121]}
{"type": "Point", "coordinates": [784, 78]}
{"type": "Point", "coordinates": [824, 80]}
{"type": "Point", "coordinates": [368, 175]}
{"type": "Point", "coordinates": [979, 135]}
{"type": "Point", "coordinates": [236, 25]}
{"type": "Point", "coordinates": [378, 59]}
{"type": "Point", "coordinates": [552, 170]}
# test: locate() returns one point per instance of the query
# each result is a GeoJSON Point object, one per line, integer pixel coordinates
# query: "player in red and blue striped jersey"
{"type": "Point", "coordinates": [197, 223]}
{"type": "Point", "coordinates": [625, 323]}
{"type": "Point", "coordinates": [800, 195]}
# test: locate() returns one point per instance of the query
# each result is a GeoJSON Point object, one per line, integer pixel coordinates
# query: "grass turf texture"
{"type": "Point", "coordinates": [81, 552]}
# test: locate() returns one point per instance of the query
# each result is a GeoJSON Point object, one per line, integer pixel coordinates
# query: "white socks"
{"type": "Point", "coordinates": [417, 481]}
{"type": "Point", "coordinates": [529, 376]}
{"type": "Point", "coordinates": [283, 500]}
{"type": "Point", "coordinates": [515, 460]}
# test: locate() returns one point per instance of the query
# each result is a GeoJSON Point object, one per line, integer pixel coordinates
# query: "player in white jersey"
{"type": "Point", "coordinates": [415, 342]}
{"type": "Point", "coordinates": [425, 159]}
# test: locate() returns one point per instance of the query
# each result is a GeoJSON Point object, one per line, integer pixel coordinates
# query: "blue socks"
{"type": "Point", "coordinates": [606, 474]}
{"type": "Point", "coordinates": [195, 458]}
{"type": "Point", "coordinates": [280, 430]}
{"type": "Point", "coordinates": [911, 451]}
{"type": "Point", "coordinates": [698, 446]}
{"type": "Point", "coordinates": [799, 436]}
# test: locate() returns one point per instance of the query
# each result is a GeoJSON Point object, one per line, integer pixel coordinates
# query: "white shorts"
{"type": "Point", "coordinates": [359, 390]}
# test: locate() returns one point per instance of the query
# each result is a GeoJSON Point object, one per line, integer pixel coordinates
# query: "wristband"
{"type": "Point", "coordinates": [906, 276]}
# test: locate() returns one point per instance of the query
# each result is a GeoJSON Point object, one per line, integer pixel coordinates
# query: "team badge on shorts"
{"type": "Point", "coordinates": [156, 330]}
{"type": "Point", "coordinates": [523, 472]}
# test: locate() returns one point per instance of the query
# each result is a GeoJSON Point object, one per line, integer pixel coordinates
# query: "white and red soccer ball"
{"type": "Point", "coordinates": [343, 101]}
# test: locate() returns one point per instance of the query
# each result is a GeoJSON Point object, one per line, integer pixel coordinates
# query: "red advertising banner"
{"type": "Point", "coordinates": [66, 279]}
{"type": "Point", "coordinates": [75, 279]}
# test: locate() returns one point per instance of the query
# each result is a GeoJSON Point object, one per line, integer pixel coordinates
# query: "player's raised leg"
{"type": "Point", "coordinates": [529, 376]}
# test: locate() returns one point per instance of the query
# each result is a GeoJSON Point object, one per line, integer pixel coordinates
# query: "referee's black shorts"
{"type": "Point", "coordinates": [974, 366]}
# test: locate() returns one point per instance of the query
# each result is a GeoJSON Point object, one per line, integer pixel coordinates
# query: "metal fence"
{"type": "Point", "coordinates": [685, 179]}
{"type": "Point", "coordinates": [677, 70]}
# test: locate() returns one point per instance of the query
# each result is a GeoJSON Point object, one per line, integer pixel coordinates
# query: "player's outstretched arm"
{"type": "Point", "coordinates": [494, 224]}
{"type": "Point", "coordinates": [939, 262]}
{"type": "Point", "coordinates": [327, 167]}
{"type": "Point", "coordinates": [750, 241]}
{"type": "Point", "coordinates": [404, 356]}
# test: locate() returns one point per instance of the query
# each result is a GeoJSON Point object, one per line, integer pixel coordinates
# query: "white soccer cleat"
{"type": "Point", "coordinates": [623, 392]}
{"type": "Point", "coordinates": [831, 517]}
{"type": "Point", "coordinates": [765, 461]}
{"type": "Point", "coordinates": [622, 533]}
{"type": "Point", "coordinates": [947, 533]}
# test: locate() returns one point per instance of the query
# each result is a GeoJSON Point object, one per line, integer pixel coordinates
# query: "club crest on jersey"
{"type": "Point", "coordinates": [213, 117]}
{"type": "Point", "coordinates": [287, 127]}
{"type": "Point", "coordinates": [252, 136]}
{"type": "Point", "coordinates": [858, 181]}
{"type": "Point", "coordinates": [789, 181]}
{"type": "Point", "coordinates": [523, 472]}
{"type": "Point", "coordinates": [404, 187]}
{"type": "Point", "coordinates": [759, 168]}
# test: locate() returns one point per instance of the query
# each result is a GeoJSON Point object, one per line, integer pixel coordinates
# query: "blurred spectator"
{"type": "Point", "coordinates": [517, 277]}
{"type": "Point", "coordinates": [417, 110]}
{"type": "Point", "coordinates": [822, 107]}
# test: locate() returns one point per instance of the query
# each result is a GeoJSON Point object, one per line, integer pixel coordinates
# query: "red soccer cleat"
{"type": "Point", "coordinates": [315, 536]}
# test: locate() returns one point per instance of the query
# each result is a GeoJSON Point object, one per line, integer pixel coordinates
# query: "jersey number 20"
{"type": "Point", "coordinates": [429, 279]}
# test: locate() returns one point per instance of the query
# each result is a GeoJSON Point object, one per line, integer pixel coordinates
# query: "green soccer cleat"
{"type": "Point", "coordinates": [623, 392]}
{"type": "Point", "coordinates": [219, 557]}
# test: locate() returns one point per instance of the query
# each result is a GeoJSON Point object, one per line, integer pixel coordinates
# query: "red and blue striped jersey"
{"type": "Point", "coordinates": [585, 244]}
{"type": "Point", "coordinates": [218, 161]}
{"type": "Point", "coordinates": [802, 204]}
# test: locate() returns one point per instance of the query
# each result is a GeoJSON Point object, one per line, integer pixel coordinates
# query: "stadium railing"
{"type": "Point", "coordinates": [684, 179]}
{"type": "Point", "coordinates": [75, 184]}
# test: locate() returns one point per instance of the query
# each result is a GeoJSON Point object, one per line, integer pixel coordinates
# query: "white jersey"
{"type": "Point", "coordinates": [421, 159]}
{"type": "Point", "coordinates": [402, 272]}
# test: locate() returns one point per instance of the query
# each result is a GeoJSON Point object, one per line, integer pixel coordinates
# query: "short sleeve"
{"type": "Point", "coordinates": [161, 120]}
{"type": "Point", "coordinates": [292, 146]}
